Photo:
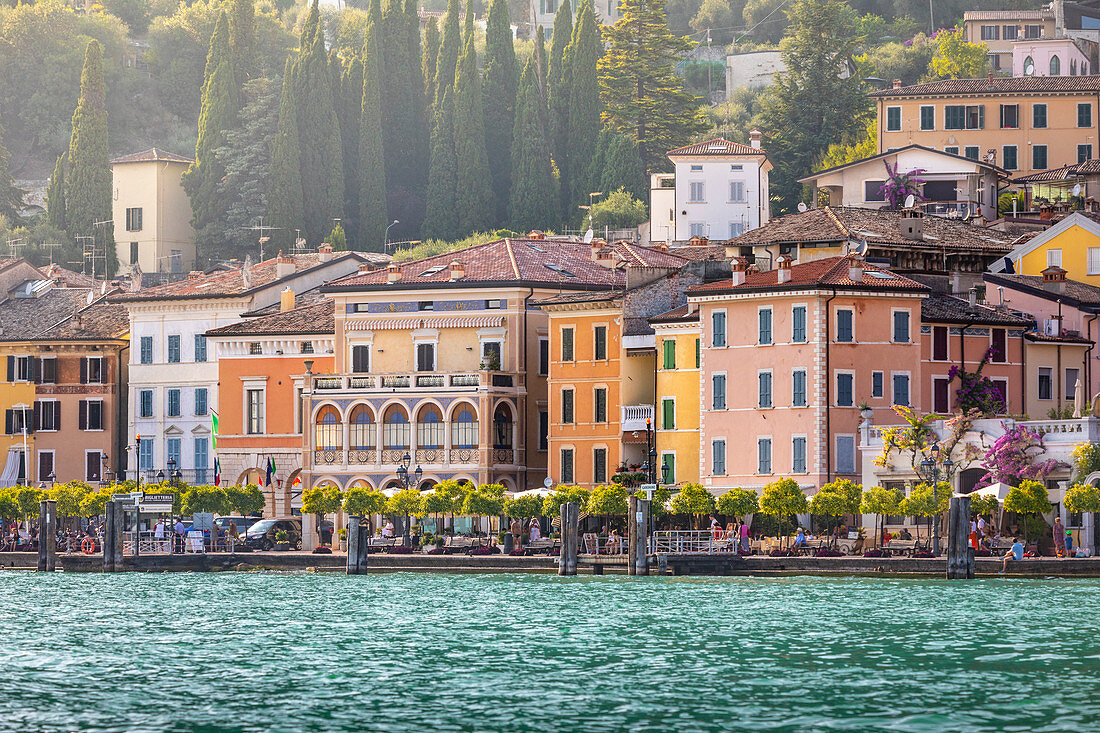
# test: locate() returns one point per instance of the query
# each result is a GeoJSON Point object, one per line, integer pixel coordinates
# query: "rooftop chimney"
{"type": "Point", "coordinates": [393, 273]}
{"type": "Point", "coordinates": [783, 269]}
{"type": "Point", "coordinates": [739, 266]}
{"type": "Point", "coordinates": [365, 267]}
{"type": "Point", "coordinates": [855, 268]}
{"type": "Point", "coordinates": [194, 274]}
{"type": "Point", "coordinates": [754, 138]}
{"type": "Point", "coordinates": [911, 224]}
{"type": "Point", "coordinates": [973, 297]}
{"type": "Point", "coordinates": [458, 270]}
{"type": "Point", "coordinates": [284, 266]}
{"type": "Point", "coordinates": [286, 300]}
{"type": "Point", "coordinates": [1054, 279]}
{"type": "Point", "coordinates": [324, 252]}
{"type": "Point", "coordinates": [897, 83]}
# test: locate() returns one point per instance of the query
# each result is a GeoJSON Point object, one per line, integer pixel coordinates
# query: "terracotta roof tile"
{"type": "Point", "coordinates": [829, 271]}
{"type": "Point", "coordinates": [313, 318]}
{"type": "Point", "coordinates": [1074, 293]}
{"type": "Point", "coordinates": [566, 264]}
{"type": "Point", "coordinates": [100, 320]}
{"type": "Point", "coordinates": [685, 313]}
{"type": "Point", "coordinates": [224, 283]}
{"type": "Point", "coordinates": [49, 317]}
{"type": "Point", "coordinates": [876, 226]}
{"type": "Point", "coordinates": [996, 85]}
{"type": "Point", "coordinates": [1045, 338]}
{"type": "Point", "coordinates": [944, 308]}
{"type": "Point", "coordinates": [717, 146]}
{"type": "Point", "coordinates": [150, 155]}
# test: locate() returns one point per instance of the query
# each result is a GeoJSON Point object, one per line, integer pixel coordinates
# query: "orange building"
{"type": "Point", "coordinates": [261, 370]}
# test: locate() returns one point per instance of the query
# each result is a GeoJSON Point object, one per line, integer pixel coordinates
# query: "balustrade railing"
{"type": "Point", "coordinates": [415, 380]}
{"type": "Point", "coordinates": [323, 457]}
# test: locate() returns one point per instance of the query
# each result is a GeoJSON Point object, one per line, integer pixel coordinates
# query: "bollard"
{"type": "Point", "coordinates": [570, 517]}
{"type": "Point", "coordinates": [116, 527]}
{"type": "Point", "coordinates": [47, 535]}
{"type": "Point", "coordinates": [109, 538]}
{"type": "Point", "coordinates": [358, 545]}
{"type": "Point", "coordinates": [960, 555]}
{"type": "Point", "coordinates": [637, 537]}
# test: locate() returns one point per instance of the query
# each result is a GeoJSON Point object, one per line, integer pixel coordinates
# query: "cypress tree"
{"type": "Point", "coordinates": [557, 92]}
{"type": "Point", "coordinates": [11, 197]}
{"type": "Point", "coordinates": [468, 28]}
{"type": "Point", "coordinates": [349, 108]}
{"type": "Point", "coordinates": [440, 216]}
{"type": "Point", "coordinates": [582, 55]}
{"type": "Point", "coordinates": [534, 197]}
{"type": "Point", "coordinates": [447, 63]}
{"type": "Point", "coordinates": [220, 105]}
{"type": "Point", "coordinates": [499, 102]}
{"type": "Point", "coordinates": [55, 194]}
{"type": "Point", "coordinates": [431, 55]}
{"type": "Point", "coordinates": [284, 199]}
{"type": "Point", "coordinates": [418, 110]}
{"type": "Point", "coordinates": [474, 198]}
{"type": "Point", "coordinates": [88, 180]}
{"type": "Point", "coordinates": [616, 165]}
{"type": "Point", "coordinates": [246, 156]}
{"type": "Point", "coordinates": [372, 169]}
{"type": "Point", "coordinates": [319, 141]}
{"type": "Point", "coordinates": [242, 40]}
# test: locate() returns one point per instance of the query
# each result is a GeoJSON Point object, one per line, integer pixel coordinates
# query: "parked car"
{"type": "Point", "coordinates": [261, 535]}
{"type": "Point", "coordinates": [243, 523]}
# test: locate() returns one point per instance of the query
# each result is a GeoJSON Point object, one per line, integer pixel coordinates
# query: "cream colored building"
{"type": "Point", "coordinates": [151, 212]}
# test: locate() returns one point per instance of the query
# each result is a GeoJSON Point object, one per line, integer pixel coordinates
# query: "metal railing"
{"type": "Point", "coordinates": [415, 380]}
{"type": "Point", "coordinates": [691, 541]}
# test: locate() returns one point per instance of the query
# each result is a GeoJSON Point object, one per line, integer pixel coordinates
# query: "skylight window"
{"type": "Point", "coordinates": [558, 269]}
{"type": "Point", "coordinates": [880, 275]}
{"type": "Point", "coordinates": [432, 270]}
{"type": "Point", "coordinates": [536, 248]}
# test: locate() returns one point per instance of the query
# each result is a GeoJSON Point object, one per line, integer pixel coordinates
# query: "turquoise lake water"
{"type": "Point", "coordinates": [424, 652]}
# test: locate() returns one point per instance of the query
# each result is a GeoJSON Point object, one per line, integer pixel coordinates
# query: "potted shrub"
{"type": "Point", "coordinates": [343, 535]}
{"type": "Point", "coordinates": [282, 540]}
{"type": "Point", "coordinates": [865, 411]}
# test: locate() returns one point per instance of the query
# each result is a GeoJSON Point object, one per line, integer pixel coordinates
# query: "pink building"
{"type": "Point", "coordinates": [1049, 57]}
{"type": "Point", "coordinates": [788, 358]}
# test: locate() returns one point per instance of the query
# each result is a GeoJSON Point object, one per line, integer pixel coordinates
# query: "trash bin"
{"type": "Point", "coordinates": [509, 542]}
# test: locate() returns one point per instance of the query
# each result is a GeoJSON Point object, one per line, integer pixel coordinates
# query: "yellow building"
{"type": "Point", "coordinates": [1072, 244]}
{"type": "Point", "coordinates": [677, 335]}
{"type": "Point", "coordinates": [151, 213]}
{"type": "Point", "coordinates": [1022, 124]}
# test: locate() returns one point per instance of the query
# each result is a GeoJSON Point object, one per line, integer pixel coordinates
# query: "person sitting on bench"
{"type": "Point", "coordinates": [1016, 553]}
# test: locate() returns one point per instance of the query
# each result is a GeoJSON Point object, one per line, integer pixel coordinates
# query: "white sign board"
{"type": "Point", "coordinates": [203, 521]}
{"type": "Point", "coordinates": [195, 542]}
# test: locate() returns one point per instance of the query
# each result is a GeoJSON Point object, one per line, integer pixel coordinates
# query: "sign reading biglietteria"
{"type": "Point", "coordinates": [157, 503]}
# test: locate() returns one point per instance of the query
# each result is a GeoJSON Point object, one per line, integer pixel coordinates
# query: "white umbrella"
{"type": "Point", "coordinates": [1078, 398]}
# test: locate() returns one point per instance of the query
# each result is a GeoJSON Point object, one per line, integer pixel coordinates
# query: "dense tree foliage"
{"type": "Point", "coordinates": [498, 90]}
{"type": "Point", "coordinates": [534, 200]}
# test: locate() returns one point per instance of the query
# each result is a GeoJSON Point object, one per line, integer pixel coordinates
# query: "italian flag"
{"type": "Point", "coordinates": [214, 428]}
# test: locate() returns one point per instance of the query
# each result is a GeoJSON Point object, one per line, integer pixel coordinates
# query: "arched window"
{"type": "Point", "coordinates": [1055, 65]}
{"type": "Point", "coordinates": [362, 428]}
{"type": "Point", "coordinates": [464, 428]}
{"type": "Point", "coordinates": [328, 433]}
{"type": "Point", "coordinates": [1073, 67]}
{"type": "Point", "coordinates": [502, 427]}
{"type": "Point", "coordinates": [1029, 66]}
{"type": "Point", "coordinates": [395, 429]}
{"type": "Point", "coordinates": [429, 427]}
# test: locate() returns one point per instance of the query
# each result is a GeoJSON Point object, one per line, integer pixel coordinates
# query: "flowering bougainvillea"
{"type": "Point", "coordinates": [976, 392]}
{"type": "Point", "coordinates": [899, 185]}
{"type": "Point", "coordinates": [1015, 456]}
{"type": "Point", "coordinates": [917, 437]}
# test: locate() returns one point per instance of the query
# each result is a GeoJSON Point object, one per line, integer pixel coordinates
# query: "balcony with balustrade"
{"type": "Point", "coordinates": [450, 382]}
{"type": "Point", "coordinates": [636, 417]}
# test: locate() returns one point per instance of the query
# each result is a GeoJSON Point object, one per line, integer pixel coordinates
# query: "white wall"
{"type": "Point", "coordinates": [716, 212]}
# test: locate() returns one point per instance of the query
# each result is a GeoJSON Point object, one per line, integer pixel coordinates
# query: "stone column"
{"type": "Point", "coordinates": [47, 535]}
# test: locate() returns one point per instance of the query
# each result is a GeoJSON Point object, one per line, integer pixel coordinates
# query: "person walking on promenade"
{"type": "Point", "coordinates": [181, 535]}
{"type": "Point", "coordinates": [158, 535]}
{"type": "Point", "coordinates": [1059, 537]}
{"type": "Point", "coordinates": [744, 537]}
{"type": "Point", "coordinates": [517, 532]}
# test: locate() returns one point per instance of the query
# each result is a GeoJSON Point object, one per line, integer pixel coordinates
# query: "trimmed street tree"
{"type": "Point", "coordinates": [363, 501]}
{"type": "Point", "coordinates": [487, 500]}
{"type": "Point", "coordinates": [880, 502]}
{"type": "Point", "coordinates": [203, 499]}
{"type": "Point", "coordinates": [322, 500]}
{"type": "Point", "coordinates": [474, 198]}
{"type": "Point", "coordinates": [245, 500]}
{"type": "Point", "coordinates": [498, 92]}
{"type": "Point", "coordinates": [642, 95]}
{"type": "Point", "coordinates": [523, 507]}
{"type": "Point", "coordinates": [693, 499]}
{"type": "Point", "coordinates": [919, 503]}
{"type": "Point", "coordinates": [534, 202]}
{"type": "Point", "coordinates": [738, 502]}
{"type": "Point", "coordinates": [551, 505]}
{"type": "Point", "coordinates": [662, 495]}
{"type": "Point", "coordinates": [1030, 497]}
{"type": "Point", "coordinates": [783, 498]}
{"type": "Point", "coordinates": [88, 180]}
{"type": "Point", "coordinates": [607, 500]}
{"type": "Point", "coordinates": [220, 105]}
{"type": "Point", "coordinates": [372, 167]}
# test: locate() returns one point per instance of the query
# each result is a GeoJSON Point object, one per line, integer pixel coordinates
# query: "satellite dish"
{"type": "Point", "coordinates": [910, 200]}
{"type": "Point", "coordinates": [1029, 69]}
{"type": "Point", "coordinates": [547, 482]}
{"type": "Point", "coordinates": [588, 236]}
{"type": "Point", "coordinates": [802, 207]}
{"type": "Point", "coordinates": [1077, 189]}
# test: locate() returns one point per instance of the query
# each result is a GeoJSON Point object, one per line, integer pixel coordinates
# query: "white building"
{"type": "Point", "coordinates": [173, 384]}
{"type": "Point", "coordinates": [719, 191]}
{"type": "Point", "coordinates": [543, 12]}
{"type": "Point", "coordinates": [752, 69]}
{"type": "Point", "coordinates": [953, 184]}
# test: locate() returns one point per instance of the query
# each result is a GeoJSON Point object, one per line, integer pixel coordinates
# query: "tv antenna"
{"type": "Point", "coordinates": [51, 246]}
{"type": "Point", "coordinates": [261, 228]}
{"type": "Point", "coordinates": [15, 245]}
{"type": "Point", "coordinates": [87, 250]}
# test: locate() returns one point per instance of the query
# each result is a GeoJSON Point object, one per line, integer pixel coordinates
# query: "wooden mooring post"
{"type": "Point", "coordinates": [358, 544]}
{"type": "Point", "coordinates": [112, 537]}
{"type": "Point", "coordinates": [47, 535]}
{"type": "Point", "coordinates": [570, 518]}
{"type": "Point", "coordinates": [637, 537]}
{"type": "Point", "coordinates": [960, 555]}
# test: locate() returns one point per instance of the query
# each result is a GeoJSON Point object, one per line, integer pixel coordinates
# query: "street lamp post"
{"type": "Point", "coordinates": [386, 245]}
{"type": "Point", "coordinates": [407, 479]}
{"type": "Point", "coordinates": [930, 471]}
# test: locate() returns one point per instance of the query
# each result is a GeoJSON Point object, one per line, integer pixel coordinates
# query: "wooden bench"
{"type": "Point", "coordinates": [543, 546]}
{"type": "Point", "coordinates": [901, 547]}
{"type": "Point", "coordinates": [385, 541]}
{"type": "Point", "coordinates": [461, 543]}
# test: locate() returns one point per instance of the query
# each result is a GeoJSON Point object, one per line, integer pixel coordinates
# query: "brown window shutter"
{"type": "Point", "coordinates": [57, 415]}
{"type": "Point", "coordinates": [83, 370]}
{"type": "Point", "coordinates": [82, 421]}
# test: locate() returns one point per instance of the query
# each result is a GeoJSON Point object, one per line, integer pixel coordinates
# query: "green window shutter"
{"type": "Point", "coordinates": [669, 347]}
{"type": "Point", "coordinates": [668, 415]}
{"type": "Point", "coordinates": [698, 355]}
